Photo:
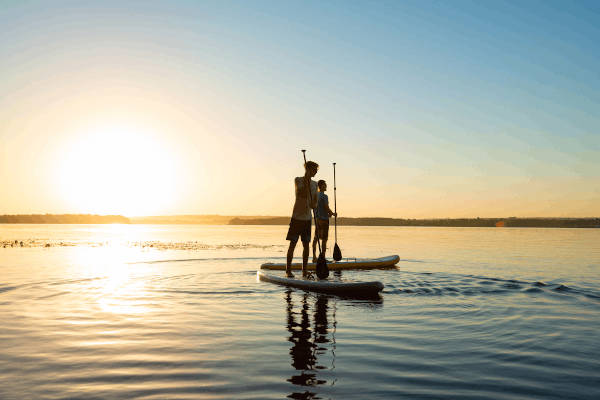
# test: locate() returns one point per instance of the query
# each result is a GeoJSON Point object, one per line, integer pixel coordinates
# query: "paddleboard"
{"type": "Point", "coordinates": [335, 287]}
{"type": "Point", "coordinates": [366, 263]}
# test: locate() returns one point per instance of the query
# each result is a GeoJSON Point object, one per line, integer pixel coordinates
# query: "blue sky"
{"type": "Point", "coordinates": [459, 108]}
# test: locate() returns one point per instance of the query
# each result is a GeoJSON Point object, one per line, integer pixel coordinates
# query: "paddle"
{"type": "Point", "coordinates": [337, 253]}
{"type": "Point", "coordinates": [321, 267]}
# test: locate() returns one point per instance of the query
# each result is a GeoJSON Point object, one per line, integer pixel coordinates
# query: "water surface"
{"type": "Point", "coordinates": [156, 311]}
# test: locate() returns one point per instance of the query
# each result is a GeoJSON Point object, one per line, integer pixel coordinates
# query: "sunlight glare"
{"type": "Point", "coordinates": [118, 170]}
{"type": "Point", "coordinates": [116, 282]}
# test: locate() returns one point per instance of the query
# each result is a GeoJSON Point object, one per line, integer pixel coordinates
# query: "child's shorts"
{"type": "Point", "coordinates": [322, 229]}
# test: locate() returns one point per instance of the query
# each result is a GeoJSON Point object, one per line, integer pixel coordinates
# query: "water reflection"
{"type": "Point", "coordinates": [312, 325]}
{"type": "Point", "coordinates": [309, 341]}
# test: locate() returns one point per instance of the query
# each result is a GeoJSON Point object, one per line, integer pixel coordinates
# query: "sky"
{"type": "Point", "coordinates": [431, 109]}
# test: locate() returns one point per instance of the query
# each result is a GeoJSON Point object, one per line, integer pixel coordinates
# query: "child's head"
{"type": "Point", "coordinates": [322, 185]}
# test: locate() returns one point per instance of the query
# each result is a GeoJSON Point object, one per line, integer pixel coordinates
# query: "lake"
{"type": "Point", "coordinates": [176, 312]}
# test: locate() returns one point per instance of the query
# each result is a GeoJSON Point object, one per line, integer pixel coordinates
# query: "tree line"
{"type": "Point", "coordinates": [63, 219]}
{"type": "Point", "coordinates": [449, 222]}
{"type": "Point", "coordinates": [245, 220]}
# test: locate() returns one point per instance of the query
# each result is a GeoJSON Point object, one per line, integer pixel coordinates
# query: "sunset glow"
{"type": "Point", "coordinates": [455, 111]}
{"type": "Point", "coordinates": [117, 169]}
{"type": "Point", "coordinates": [307, 199]}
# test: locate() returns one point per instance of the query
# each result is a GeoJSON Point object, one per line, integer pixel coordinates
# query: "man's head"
{"type": "Point", "coordinates": [322, 185]}
{"type": "Point", "coordinates": [311, 168]}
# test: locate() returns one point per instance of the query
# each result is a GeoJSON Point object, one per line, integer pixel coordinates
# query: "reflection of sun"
{"type": "Point", "coordinates": [117, 171]}
{"type": "Point", "coordinates": [118, 289]}
{"type": "Point", "coordinates": [122, 296]}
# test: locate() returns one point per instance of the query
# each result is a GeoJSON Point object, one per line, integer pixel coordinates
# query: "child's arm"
{"type": "Point", "coordinates": [331, 213]}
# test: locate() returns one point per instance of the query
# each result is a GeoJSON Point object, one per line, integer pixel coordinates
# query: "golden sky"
{"type": "Point", "coordinates": [203, 109]}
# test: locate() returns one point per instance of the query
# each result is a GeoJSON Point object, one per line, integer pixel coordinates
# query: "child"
{"type": "Point", "coordinates": [323, 212]}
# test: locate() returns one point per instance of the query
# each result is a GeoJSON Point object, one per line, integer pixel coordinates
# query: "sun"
{"type": "Point", "coordinates": [118, 170]}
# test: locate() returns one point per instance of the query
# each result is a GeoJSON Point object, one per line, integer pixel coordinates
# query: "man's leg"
{"type": "Point", "coordinates": [324, 246]}
{"type": "Point", "coordinates": [290, 256]}
{"type": "Point", "coordinates": [305, 252]}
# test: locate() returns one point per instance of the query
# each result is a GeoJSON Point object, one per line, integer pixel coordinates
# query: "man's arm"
{"type": "Point", "coordinates": [308, 191]}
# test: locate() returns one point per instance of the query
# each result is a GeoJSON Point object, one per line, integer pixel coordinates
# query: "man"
{"type": "Point", "coordinates": [322, 214]}
{"type": "Point", "coordinates": [300, 224]}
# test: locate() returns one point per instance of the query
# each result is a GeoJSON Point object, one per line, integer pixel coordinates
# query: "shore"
{"type": "Point", "coordinates": [497, 222]}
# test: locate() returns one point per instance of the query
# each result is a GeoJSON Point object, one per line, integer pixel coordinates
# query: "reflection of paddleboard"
{"type": "Point", "coordinates": [366, 263]}
{"type": "Point", "coordinates": [337, 287]}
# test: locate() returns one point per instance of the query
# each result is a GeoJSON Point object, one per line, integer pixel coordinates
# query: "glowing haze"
{"type": "Point", "coordinates": [430, 109]}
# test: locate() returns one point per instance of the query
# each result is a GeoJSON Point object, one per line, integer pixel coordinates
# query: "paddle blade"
{"type": "Point", "coordinates": [321, 269]}
{"type": "Point", "coordinates": [337, 253]}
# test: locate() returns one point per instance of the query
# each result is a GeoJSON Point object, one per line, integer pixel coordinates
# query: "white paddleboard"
{"type": "Point", "coordinates": [365, 263]}
{"type": "Point", "coordinates": [336, 287]}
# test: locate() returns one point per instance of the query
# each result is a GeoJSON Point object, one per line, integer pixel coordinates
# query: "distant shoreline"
{"type": "Point", "coordinates": [591, 222]}
{"type": "Point", "coordinates": [63, 219]}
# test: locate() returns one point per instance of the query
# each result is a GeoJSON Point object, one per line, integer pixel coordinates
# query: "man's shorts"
{"type": "Point", "coordinates": [298, 228]}
{"type": "Point", "coordinates": [322, 229]}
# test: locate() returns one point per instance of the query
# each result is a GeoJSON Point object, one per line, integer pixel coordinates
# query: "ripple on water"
{"type": "Point", "coordinates": [449, 285]}
{"type": "Point", "coordinates": [202, 327]}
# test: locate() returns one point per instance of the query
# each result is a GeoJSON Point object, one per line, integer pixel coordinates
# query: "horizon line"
{"type": "Point", "coordinates": [286, 216]}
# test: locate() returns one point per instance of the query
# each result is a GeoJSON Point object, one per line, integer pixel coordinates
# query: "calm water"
{"type": "Point", "coordinates": [176, 312]}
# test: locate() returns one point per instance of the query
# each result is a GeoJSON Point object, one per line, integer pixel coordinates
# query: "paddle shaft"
{"type": "Point", "coordinates": [334, 203]}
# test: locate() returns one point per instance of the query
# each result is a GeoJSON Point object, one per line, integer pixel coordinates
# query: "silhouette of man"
{"type": "Point", "coordinates": [300, 223]}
